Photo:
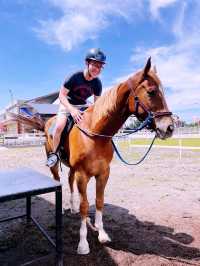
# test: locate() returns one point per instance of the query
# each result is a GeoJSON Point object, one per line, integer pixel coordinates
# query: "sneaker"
{"type": "Point", "coordinates": [52, 160]}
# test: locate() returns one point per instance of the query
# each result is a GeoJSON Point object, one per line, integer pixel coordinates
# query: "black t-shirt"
{"type": "Point", "coordinates": [80, 89]}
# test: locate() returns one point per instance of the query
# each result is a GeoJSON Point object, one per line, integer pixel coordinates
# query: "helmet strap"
{"type": "Point", "coordinates": [88, 71]}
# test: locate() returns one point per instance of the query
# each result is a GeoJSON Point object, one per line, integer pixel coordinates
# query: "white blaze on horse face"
{"type": "Point", "coordinates": [83, 246]}
{"type": "Point", "coordinates": [103, 236]}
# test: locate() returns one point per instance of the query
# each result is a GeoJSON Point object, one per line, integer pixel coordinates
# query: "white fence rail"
{"type": "Point", "coordinates": [183, 132]}
{"type": "Point", "coordinates": [34, 139]}
{"type": "Point", "coordinates": [9, 140]}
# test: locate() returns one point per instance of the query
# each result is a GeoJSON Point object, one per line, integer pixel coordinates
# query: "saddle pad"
{"type": "Point", "coordinates": [51, 128]}
{"type": "Point", "coordinates": [67, 128]}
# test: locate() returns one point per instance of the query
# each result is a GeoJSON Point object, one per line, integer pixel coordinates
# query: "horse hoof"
{"type": "Point", "coordinates": [103, 237]}
{"type": "Point", "coordinates": [83, 249]}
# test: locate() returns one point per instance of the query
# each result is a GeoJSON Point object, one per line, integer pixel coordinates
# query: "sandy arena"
{"type": "Point", "coordinates": [152, 214]}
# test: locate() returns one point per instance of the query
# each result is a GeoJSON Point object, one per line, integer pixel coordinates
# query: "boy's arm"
{"type": "Point", "coordinates": [75, 113]}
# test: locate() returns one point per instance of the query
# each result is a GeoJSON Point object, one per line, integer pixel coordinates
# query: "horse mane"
{"type": "Point", "coordinates": [106, 104]}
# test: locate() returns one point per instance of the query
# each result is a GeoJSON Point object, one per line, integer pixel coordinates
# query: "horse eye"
{"type": "Point", "coordinates": [151, 93]}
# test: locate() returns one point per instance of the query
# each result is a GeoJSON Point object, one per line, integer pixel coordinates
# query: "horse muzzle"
{"type": "Point", "coordinates": [164, 128]}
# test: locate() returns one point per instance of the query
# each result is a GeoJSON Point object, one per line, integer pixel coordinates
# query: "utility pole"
{"type": "Point", "coordinates": [11, 96]}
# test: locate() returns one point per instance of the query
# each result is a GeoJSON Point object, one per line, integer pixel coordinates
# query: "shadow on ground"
{"type": "Point", "coordinates": [131, 235]}
{"type": "Point", "coordinates": [20, 242]}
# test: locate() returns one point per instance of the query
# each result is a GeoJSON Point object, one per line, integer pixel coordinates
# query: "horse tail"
{"type": "Point", "coordinates": [34, 122]}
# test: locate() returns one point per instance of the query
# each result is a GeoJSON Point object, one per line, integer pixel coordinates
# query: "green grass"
{"type": "Point", "coordinates": [190, 142]}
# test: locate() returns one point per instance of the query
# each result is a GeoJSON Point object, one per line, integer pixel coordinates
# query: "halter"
{"type": "Point", "coordinates": [145, 123]}
{"type": "Point", "coordinates": [150, 115]}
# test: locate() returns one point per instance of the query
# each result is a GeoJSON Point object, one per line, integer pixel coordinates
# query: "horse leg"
{"type": "Point", "coordinates": [101, 181]}
{"type": "Point", "coordinates": [55, 172]}
{"type": "Point", "coordinates": [73, 206]}
{"type": "Point", "coordinates": [83, 246]}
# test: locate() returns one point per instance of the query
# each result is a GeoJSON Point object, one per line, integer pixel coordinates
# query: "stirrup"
{"type": "Point", "coordinates": [52, 159]}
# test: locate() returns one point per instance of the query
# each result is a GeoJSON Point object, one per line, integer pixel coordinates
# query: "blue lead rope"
{"type": "Point", "coordinates": [142, 159]}
{"type": "Point", "coordinates": [146, 123]}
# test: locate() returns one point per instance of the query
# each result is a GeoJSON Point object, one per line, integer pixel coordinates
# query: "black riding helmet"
{"type": "Point", "coordinates": [96, 54]}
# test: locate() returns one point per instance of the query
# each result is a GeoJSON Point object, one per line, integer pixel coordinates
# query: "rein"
{"type": "Point", "coordinates": [138, 162]}
{"type": "Point", "coordinates": [145, 124]}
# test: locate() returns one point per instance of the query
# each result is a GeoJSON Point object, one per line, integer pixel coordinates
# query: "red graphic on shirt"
{"type": "Point", "coordinates": [82, 92]}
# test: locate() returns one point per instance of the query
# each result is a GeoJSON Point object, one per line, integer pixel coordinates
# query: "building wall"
{"type": "Point", "coordinates": [12, 128]}
{"type": "Point", "coordinates": [43, 106]}
{"type": "Point", "coordinates": [15, 127]}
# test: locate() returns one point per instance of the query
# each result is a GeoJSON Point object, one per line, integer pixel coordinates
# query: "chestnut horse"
{"type": "Point", "coordinates": [90, 155]}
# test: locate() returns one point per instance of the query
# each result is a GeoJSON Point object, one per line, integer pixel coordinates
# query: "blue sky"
{"type": "Point", "coordinates": [43, 41]}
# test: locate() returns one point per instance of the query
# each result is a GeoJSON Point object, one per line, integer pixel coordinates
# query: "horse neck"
{"type": "Point", "coordinates": [111, 120]}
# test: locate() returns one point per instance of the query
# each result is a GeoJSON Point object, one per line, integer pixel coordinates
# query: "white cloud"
{"type": "Point", "coordinates": [179, 22]}
{"type": "Point", "coordinates": [83, 20]}
{"type": "Point", "coordinates": [70, 30]}
{"type": "Point", "coordinates": [156, 5]}
{"type": "Point", "coordinates": [178, 72]}
{"type": "Point", "coordinates": [178, 64]}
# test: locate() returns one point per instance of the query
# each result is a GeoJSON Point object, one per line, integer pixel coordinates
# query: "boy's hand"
{"type": "Point", "coordinates": [76, 114]}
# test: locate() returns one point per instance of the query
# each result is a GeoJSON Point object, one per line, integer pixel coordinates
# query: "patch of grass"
{"type": "Point", "coordinates": [190, 142]}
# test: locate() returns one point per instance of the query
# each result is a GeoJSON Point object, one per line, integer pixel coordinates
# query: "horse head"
{"type": "Point", "coordinates": [147, 96]}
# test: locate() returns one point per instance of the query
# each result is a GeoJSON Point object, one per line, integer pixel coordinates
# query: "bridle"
{"type": "Point", "coordinates": [145, 123]}
{"type": "Point", "coordinates": [150, 114]}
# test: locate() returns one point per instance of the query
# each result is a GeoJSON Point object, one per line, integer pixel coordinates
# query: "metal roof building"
{"type": "Point", "coordinates": [43, 106]}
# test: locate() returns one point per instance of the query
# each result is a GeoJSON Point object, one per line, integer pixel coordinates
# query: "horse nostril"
{"type": "Point", "coordinates": [170, 128]}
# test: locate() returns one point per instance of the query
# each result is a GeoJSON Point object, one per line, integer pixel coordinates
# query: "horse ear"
{"type": "Point", "coordinates": [147, 67]}
{"type": "Point", "coordinates": [154, 69]}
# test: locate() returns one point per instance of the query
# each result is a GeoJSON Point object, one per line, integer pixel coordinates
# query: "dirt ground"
{"type": "Point", "coordinates": [152, 214]}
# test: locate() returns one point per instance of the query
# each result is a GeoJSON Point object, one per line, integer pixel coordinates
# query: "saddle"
{"type": "Point", "coordinates": [66, 130]}
{"type": "Point", "coordinates": [69, 125]}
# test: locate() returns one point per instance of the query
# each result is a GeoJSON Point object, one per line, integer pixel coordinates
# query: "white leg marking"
{"type": "Point", "coordinates": [83, 246]}
{"type": "Point", "coordinates": [91, 225]}
{"type": "Point", "coordinates": [103, 236]}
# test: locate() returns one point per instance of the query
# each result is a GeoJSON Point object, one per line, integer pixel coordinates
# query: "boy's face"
{"type": "Point", "coordinates": [94, 68]}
